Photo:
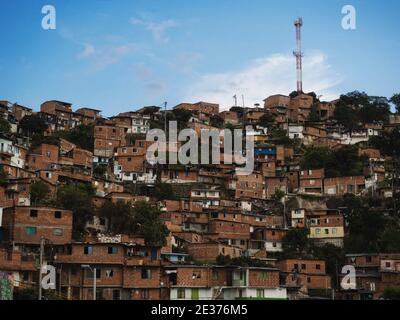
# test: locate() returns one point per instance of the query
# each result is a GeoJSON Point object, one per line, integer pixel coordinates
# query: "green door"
{"type": "Point", "coordinates": [195, 294]}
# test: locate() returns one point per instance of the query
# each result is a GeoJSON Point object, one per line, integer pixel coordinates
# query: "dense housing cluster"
{"type": "Point", "coordinates": [323, 194]}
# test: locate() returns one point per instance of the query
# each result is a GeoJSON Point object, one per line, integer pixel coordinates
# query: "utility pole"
{"type": "Point", "coordinates": [165, 117]}
{"type": "Point", "coordinates": [94, 283]}
{"type": "Point", "coordinates": [94, 271]}
{"type": "Point", "coordinates": [42, 239]}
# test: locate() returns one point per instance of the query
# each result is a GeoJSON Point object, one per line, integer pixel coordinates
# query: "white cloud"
{"type": "Point", "coordinates": [275, 74]}
{"type": "Point", "coordinates": [102, 56]}
{"type": "Point", "coordinates": [157, 29]}
{"type": "Point", "coordinates": [87, 51]}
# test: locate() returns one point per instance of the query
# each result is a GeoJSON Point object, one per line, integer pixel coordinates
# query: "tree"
{"type": "Point", "coordinates": [338, 163]}
{"type": "Point", "coordinates": [119, 216]}
{"type": "Point", "coordinates": [147, 223]}
{"type": "Point", "coordinates": [164, 191]}
{"type": "Point", "coordinates": [280, 137]}
{"type": "Point", "coordinates": [266, 120]}
{"type": "Point", "coordinates": [182, 116]}
{"type": "Point", "coordinates": [39, 192]}
{"type": "Point", "coordinates": [313, 116]}
{"type": "Point", "coordinates": [390, 239]}
{"type": "Point", "coordinates": [296, 241]}
{"type": "Point", "coordinates": [5, 126]}
{"type": "Point", "coordinates": [391, 293]}
{"type": "Point", "coordinates": [314, 158]}
{"type": "Point", "coordinates": [82, 136]}
{"type": "Point", "coordinates": [279, 194]}
{"type": "Point", "coordinates": [344, 162]}
{"type": "Point", "coordinates": [77, 198]}
{"type": "Point", "coordinates": [39, 139]}
{"type": "Point", "coordinates": [333, 256]}
{"type": "Point", "coordinates": [345, 116]}
{"type": "Point", "coordinates": [33, 124]}
{"type": "Point", "coordinates": [395, 99]}
{"type": "Point", "coordinates": [387, 142]}
{"type": "Point", "coordinates": [242, 261]}
{"type": "Point", "coordinates": [32, 294]}
{"type": "Point", "coordinates": [357, 107]}
{"type": "Point", "coordinates": [365, 225]}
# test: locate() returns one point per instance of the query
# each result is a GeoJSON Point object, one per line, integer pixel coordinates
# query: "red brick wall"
{"type": "Point", "coordinates": [19, 218]}
{"type": "Point", "coordinates": [263, 278]}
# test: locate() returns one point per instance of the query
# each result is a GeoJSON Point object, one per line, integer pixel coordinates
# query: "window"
{"type": "Point", "coordinates": [112, 250]}
{"type": "Point", "coordinates": [318, 267]}
{"type": "Point", "coordinates": [30, 231]}
{"type": "Point", "coordinates": [369, 259]}
{"type": "Point", "coordinates": [303, 267]}
{"type": "Point", "coordinates": [309, 279]}
{"type": "Point", "coordinates": [57, 214]}
{"type": "Point", "coordinates": [109, 273]}
{"type": "Point", "coordinates": [58, 232]}
{"type": "Point", "coordinates": [116, 294]}
{"type": "Point", "coordinates": [33, 213]}
{"type": "Point", "coordinates": [146, 274]}
{"type": "Point", "coordinates": [260, 293]}
{"type": "Point", "coordinates": [215, 275]}
{"type": "Point", "coordinates": [181, 293]}
{"type": "Point", "coordinates": [88, 250]}
{"type": "Point", "coordinates": [387, 264]}
{"type": "Point", "coordinates": [145, 294]}
{"type": "Point", "coordinates": [326, 231]}
{"type": "Point", "coordinates": [129, 159]}
{"type": "Point", "coordinates": [318, 231]}
{"type": "Point", "coordinates": [196, 275]}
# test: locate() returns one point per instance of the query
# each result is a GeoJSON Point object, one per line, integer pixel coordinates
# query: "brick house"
{"type": "Point", "coordinates": [272, 184]}
{"type": "Point", "coordinates": [312, 181]}
{"type": "Point", "coordinates": [342, 185]}
{"type": "Point", "coordinates": [26, 225]}
{"type": "Point", "coordinates": [204, 107]}
{"type": "Point", "coordinates": [43, 157]}
{"type": "Point", "coordinates": [305, 274]}
{"type": "Point", "coordinates": [207, 252]}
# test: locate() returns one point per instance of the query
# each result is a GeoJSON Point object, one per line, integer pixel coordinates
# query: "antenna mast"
{"type": "Point", "coordinates": [298, 54]}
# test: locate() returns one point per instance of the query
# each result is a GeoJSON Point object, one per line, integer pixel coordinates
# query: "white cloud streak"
{"type": "Point", "coordinates": [157, 29]}
{"type": "Point", "coordinates": [103, 56]}
{"type": "Point", "coordinates": [262, 77]}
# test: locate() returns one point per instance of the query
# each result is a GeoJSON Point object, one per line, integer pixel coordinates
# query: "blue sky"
{"type": "Point", "coordinates": [121, 55]}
